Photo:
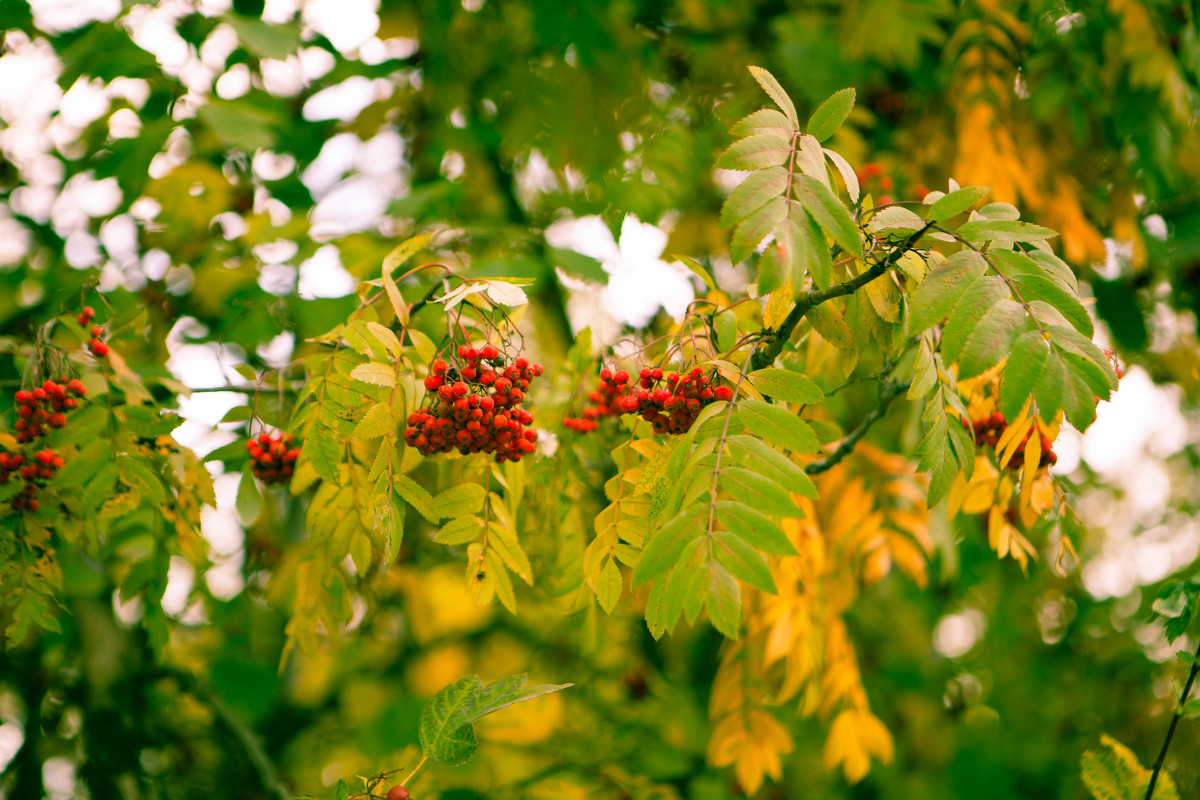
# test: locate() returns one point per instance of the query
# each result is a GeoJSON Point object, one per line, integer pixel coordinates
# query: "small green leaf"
{"type": "Point", "coordinates": [608, 590]}
{"type": "Point", "coordinates": [376, 373]}
{"type": "Point", "coordinates": [777, 425]}
{"type": "Point", "coordinates": [416, 496]}
{"type": "Point", "coordinates": [755, 228]}
{"type": "Point", "coordinates": [752, 194]}
{"type": "Point", "coordinates": [725, 324]}
{"type": "Point", "coordinates": [755, 528]}
{"type": "Point", "coordinates": [765, 120]}
{"type": "Point", "coordinates": [830, 115]}
{"type": "Point", "coordinates": [375, 423]}
{"type": "Point", "coordinates": [460, 531]}
{"type": "Point", "coordinates": [942, 288]}
{"type": "Point", "coordinates": [983, 230]}
{"type": "Point", "coordinates": [746, 563]}
{"type": "Point", "coordinates": [323, 452]}
{"type": "Point", "coordinates": [756, 152]}
{"type": "Point", "coordinates": [758, 491]}
{"type": "Point", "coordinates": [249, 501]}
{"type": "Point", "coordinates": [829, 212]}
{"type": "Point", "coordinates": [992, 339]}
{"type": "Point", "coordinates": [760, 457]}
{"type": "Point", "coordinates": [723, 601]}
{"type": "Point", "coordinates": [782, 384]}
{"type": "Point", "coordinates": [955, 203]}
{"type": "Point", "coordinates": [771, 86]}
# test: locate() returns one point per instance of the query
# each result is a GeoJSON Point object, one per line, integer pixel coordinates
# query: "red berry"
{"type": "Point", "coordinates": [621, 376]}
{"type": "Point", "coordinates": [99, 348]}
{"type": "Point", "coordinates": [24, 397]}
{"type": "Point", "coordinates": [57, 420]}
{"type": "Point", "coordinates": [88, 312]}
{"type": "Point", "coordinates": [521, 363]}
{"type": "Point", "coordinates": [433, 383]}
{"type": "Point", "coordinates": [489, 352]}
{"type": "Point", "coordinates": [438, 367]}
{"type": "Point", "coordinates": [606, 374]}
{"type": "Point", "coordinates": [39, 394]}
{"type": "Point", "coordinates": [723, 393]}
{"type": "Point", "coordinates": [25, 412]}
{"type": "Point", "coordinates": [463, 350]}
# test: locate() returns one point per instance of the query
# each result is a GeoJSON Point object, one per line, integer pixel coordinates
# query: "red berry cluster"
{"type": "Point", "coordinates": [96, 345]}
{"type": "Point", "coordinates": [670, 403]}
{"type": "Point", "coordinates": [45, 407]}
{"type": "Point", "coordinates": [273, 456]}
{"type": "Point", "coordinates": [988, 431]}
{"type": "Point", "coordinates": [35, 473]}
{"type": "Point", "coordinates": [476, 406]}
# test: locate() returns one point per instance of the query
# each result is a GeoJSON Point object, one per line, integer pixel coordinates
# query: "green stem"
{"type": "Point", "coordinates": [1162, 754]}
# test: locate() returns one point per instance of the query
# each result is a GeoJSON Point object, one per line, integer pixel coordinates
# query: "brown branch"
{"type": "Point", "coordinates": [765, 355]}
{"type": "Point", "coordinates": [887, 393]}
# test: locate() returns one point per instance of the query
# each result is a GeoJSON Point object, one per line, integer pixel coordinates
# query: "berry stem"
{"type": "Point", "coordinates": [408, 778]}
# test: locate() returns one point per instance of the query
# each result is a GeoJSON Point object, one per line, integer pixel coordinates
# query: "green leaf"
{"type": "Point", "coordinates": [778, 426]}
{"type": "Point", "coordinates": [263, 39]}
{"type": "Point", "coordinates": [955, 203]}
{"type": "Point", "coordinates": [608, 588]}
{"type": "Point", "coordinates": [760, 457]}
{"type": "Point", "coordinates": [1025, 363]}
{"type": "Point", "coordinates": [665, 545]}
{"type": "Point", "coordinates": [239, 124]}
{"type": "Point", "coordinates": [341, 791]}
{"type": "Point", "coordinates": [765, 120]}
{"type": "Point", "coordinates": [755, 528]}
{"type": "Point", "coordinates": [460, 531]}
{"type": "Point", "coordinates": [376, 373]}
{"type": "Point", "coordinates": [830, 115]}
{"type": "Point", "coordinates": [771, 86]}
{"type": "Point", "coordinates": [746, 563]}
{"type": "Point", "coordinates": [752, 194]}
{"type": "Point", "coordinates": [782, 384]}
{"type": "Point", "coordinates": [983, 230]}
{"type": "Point", "coordinates": [375, 423]}
{"type": "Point", "coordinates": [416, 496]}
{"type": "Point", "coordinates": [942, 288]}
{"type": "Point", "coordinates": [460, 500]}
{"type": "Point", "coordinates": [723, 601]}
{"type": "Point", "coordinates": [759, 491]}
{"type": "Point", "coordinates": [1116, 774]}
{"type": "Point", "coordinates": [725, 324]}
{"type": "Point", "coordinates": [980, 296]}
{"type": "Point", "coordinates": [322, 450]}
{"type": "Point", "coordinates": [756, 152]}
{"type": "Point", "coordinates": [249, 501]}
{"type": "Point", "coordinates": [829, 212]}
{"type": "Point", "coordinates": [445, 728]}
{"type": "Point", "coordinates": [992, 339]}
{"type": "Point", "coordinates": [755, 228]}
{"type": "Point", "coordinates": [1038, 287]}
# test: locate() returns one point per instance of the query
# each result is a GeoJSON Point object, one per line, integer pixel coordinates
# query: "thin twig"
{"type": "Point", "coordinates": [1162, 754]}
{"type": "Point", "coordinates": [887, 393]}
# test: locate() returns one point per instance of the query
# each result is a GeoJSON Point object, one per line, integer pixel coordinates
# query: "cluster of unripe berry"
{"type": "Point", "coordinates": [44, 466]}
{"type": "Point", "coordinates": [97, 344]}
{"type": "Point", "coordinates": [669, 402]}
{"type": "Point", "coordinates": [475, 407]}
{"type": "Point", "coordinates": [46, 407]}
{"type": "Point", "coordinates": [989, 429]}
{"type": "Point", "coordinates": [272, 456]}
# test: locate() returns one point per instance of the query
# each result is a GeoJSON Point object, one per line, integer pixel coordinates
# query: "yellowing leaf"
{"type": "Point", "coordinates": [854, 738]}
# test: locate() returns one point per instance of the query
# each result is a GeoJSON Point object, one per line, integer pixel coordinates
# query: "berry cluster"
{"type": "Point", "coordinates": [988, 431]}
{"type": "Point", "coordinates": [45, 407]}
{"type": "Point", "coordinates": [273, 456]}
{"type": "Point", "coordinates": [96, 345]}
{"type": "Point", "coordinates": [476, 406]}
{"type": "Point", "coordinates": [670, 403]}
{"type": "Point", "coordinates": [35, 473]}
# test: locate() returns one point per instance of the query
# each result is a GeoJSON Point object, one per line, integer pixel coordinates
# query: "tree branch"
{"type": "Point", "coordinates": [1162, 754]}
{"type": "Point", "coordinates": [766, 354]}
{"type": "Point", "coordinates": [887, 393]}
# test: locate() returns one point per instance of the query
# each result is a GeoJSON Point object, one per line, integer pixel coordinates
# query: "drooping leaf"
{"type": "Point", "coordinates": [777, 425]}
{"type": "Point", "coordinates": [782, 384]}
{"type": "Point", "coordinates": [752, 194]}
{"type": "Point", "coordinates": [755, 228]}
{"type": "Point", "coordinates": [829, 212]}
{"type": "Point", "coordinates": [942, 289]}
{"type": "Point", "coordinates": [984, 230]}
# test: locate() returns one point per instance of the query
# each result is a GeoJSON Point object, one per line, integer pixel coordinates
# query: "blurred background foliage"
{"type": "Point", "coordinates": [197, 160]}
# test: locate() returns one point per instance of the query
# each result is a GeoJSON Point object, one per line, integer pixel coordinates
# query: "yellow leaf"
{"type": "Point", "coordinates": [778, 305]}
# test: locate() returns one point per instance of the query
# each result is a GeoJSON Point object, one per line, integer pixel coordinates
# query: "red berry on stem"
{"type": "Point", "coordinates": [398, 793]}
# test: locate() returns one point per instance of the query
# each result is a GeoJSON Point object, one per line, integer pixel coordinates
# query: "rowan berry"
{"type": "Point", "coordinates": [398, 793]}
{"type": "Point", "coordinates": [98, 347]}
